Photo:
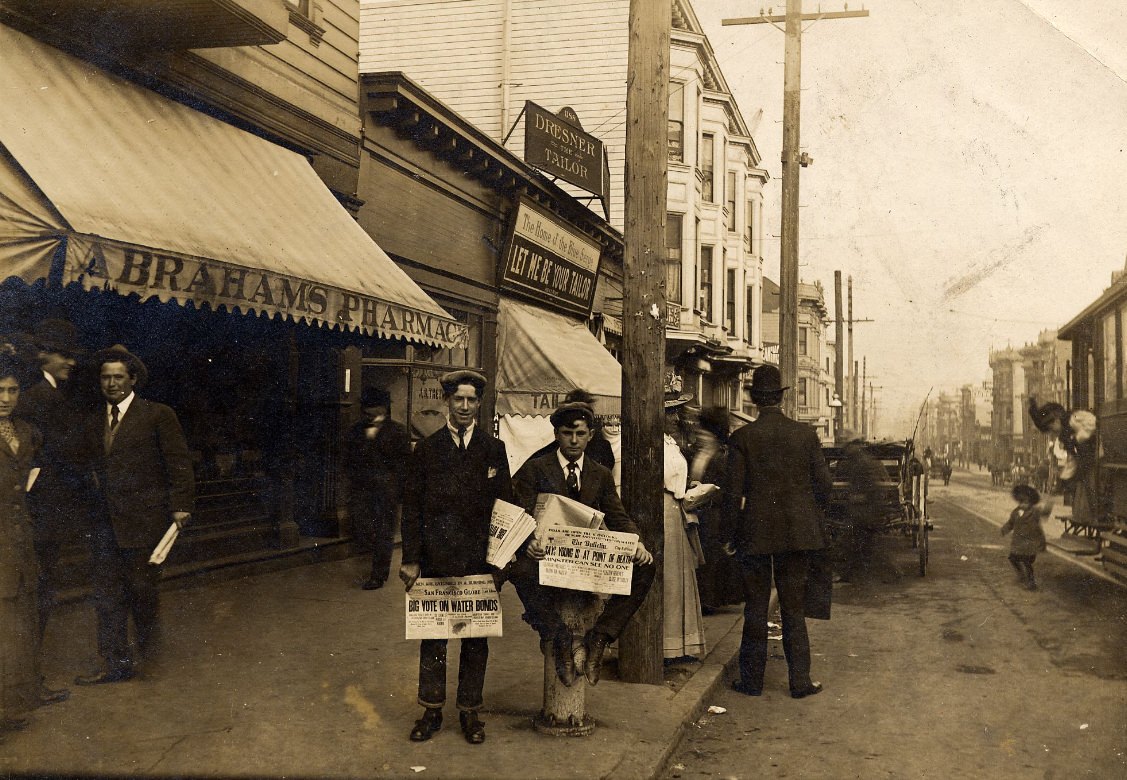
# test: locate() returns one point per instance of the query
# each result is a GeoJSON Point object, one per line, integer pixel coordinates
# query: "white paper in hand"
{"type": "Point", "coordinates": [165, 545]}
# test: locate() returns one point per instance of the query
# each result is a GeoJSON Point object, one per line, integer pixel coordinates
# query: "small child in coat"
{"type": "Point", "coordinates": [1028, 538]}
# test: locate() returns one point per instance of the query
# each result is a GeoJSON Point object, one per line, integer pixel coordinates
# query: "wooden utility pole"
{"type": "Point", "coordinates": [836, 411]}
{"type": "Point", "coordinates": [640, 657]}
{"type": "Point", "coordinates": [864, 420]}
{"type": "Point", "coordinates": [792, 160]}
{"type": "Point", "coordinates": [852, 364]}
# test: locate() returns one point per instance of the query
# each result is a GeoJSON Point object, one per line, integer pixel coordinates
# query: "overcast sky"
{"type": "Point", "coordinates": [969, 171]}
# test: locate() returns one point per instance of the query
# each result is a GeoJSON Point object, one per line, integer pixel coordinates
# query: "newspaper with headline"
{"type": "Point", "coordinates": [580, 554]}
{"type": "Point", "coordinates": [453, 608]}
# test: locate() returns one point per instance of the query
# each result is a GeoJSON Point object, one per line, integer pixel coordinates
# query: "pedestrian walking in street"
{"type": "Point", "coordinates": [569, 472]}
{"type": "Point", "coordinates": [21, 685]}
{"type": "Point", "coordinates": [453, 478]}
{"type": "Point", "coordinates": [866, 503]}
{"type": "Point", "coordinates": [1073, 445]}
{"type": "Point", "coordinates": [142, 471]}
{"type": "Point", "coordinates": [1028, 535]}
{"type": "Point", "coordinates": [376, 451]}
{"type": "Point", "coordinates": [778, 492]}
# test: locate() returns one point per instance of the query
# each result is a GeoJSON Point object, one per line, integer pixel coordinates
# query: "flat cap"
{"type": "Point", "coordinates": [451, 379]}
{"type": "Point", "coordinates": [568, 413]}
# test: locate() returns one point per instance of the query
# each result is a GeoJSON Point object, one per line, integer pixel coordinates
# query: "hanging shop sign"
{"type": "Point", "coordinates": [549, 261]}
{"type": "Point", "coordinates": [556, 144]}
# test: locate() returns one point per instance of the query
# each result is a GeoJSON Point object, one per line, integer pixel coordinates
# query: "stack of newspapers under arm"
{"type": "Point", "coordinates": [509, 526]}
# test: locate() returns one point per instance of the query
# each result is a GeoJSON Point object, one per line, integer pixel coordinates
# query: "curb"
{"type": "Point", "coordinates": [645, 760]}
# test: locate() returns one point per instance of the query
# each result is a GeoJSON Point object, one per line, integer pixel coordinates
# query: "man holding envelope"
{"type": "Point", "coordinates": [568, 473]}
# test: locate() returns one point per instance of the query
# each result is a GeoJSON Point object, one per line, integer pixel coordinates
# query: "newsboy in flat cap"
{"type": "Point", "coordinates": [453, 478]}
{"type": "Point", "coordinates": [568, 472]}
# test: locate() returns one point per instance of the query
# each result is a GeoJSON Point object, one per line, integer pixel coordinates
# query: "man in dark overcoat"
{"type": "Point", "coordinates": [142, 471]}
{"type": "Point", "coordinates": [57, 501]}
{"type": "Point", "coordinates": [567, 471]}
{"type": "Point", "coordinates": [376, 451]}
{"type": "Point", "coordinates": [778, 492]}
{"type": "Point", "coordinates": [454, 476]}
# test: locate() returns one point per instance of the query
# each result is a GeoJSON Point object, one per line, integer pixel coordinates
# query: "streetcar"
{"type": "Point", "coordinates": [1097, 378]}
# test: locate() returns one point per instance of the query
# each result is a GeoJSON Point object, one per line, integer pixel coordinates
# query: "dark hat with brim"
{"type": "Point", "coordinates": [1044, 415]}
{"type": "Point", "coordinates": [119, 354]}
{"type": "Point", "coordinates": [375, 396]}
{"type": "Point", "coordinates": [54, 335]}
{"type": "Point", "coordinates": [569, 413]}
{"type": "Point", "coordinates": [674, 400]}
{"type": "Point", "coordinates": [767, 379]}
{"type": "Point", "coordinates": [452, 379]}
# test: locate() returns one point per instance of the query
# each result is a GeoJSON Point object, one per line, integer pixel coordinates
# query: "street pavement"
{"type": "Point", "coordinates": [300, 673]}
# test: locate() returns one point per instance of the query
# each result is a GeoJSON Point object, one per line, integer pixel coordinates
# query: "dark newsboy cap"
{"type": "Point", "coordinates": [569, 413]}
{"type": "Point", "coordinates": [451, 379]}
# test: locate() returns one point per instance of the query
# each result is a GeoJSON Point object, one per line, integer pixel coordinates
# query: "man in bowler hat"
{"type": "Point", "coordinates": [375, 460]}
{"type": "Point", "coordinates": [774, 508]}
{"type": "Point", "coordinates": [142, 471]}
{"type": "Point", "coordinates": [57, 501]}
{"type": "Point", "coordinates": [569, 472]}
{"type": "Point", "coordinates": [454, 476]}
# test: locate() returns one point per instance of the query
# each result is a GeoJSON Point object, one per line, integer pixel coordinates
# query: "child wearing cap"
{"type": "Point", "coordinates": [1028, 536]}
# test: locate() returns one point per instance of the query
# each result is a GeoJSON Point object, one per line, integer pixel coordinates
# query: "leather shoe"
{"type": "Point", "coordinates": [472, 728]}
{"type": "Point", "coordinates": [565, 663]}
{"type": "Point", "coordinates": [596, 643]}
{"type": "Point", "coordinates": [809, 690]}
{"type": "Point", "coordinates": [374, 583]}
{"type": "Point", "coordinates": [107, 676]}
{"type": "Point", "coordinates": [426, 726]}
{"type": "Point", "coordinates": [739, 686]}
{"type": "Point", "coordinates": [51, 695]}
{"type": "Point", "coordinates": [13, 724]}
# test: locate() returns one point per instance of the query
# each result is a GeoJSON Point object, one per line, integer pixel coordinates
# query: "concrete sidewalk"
{"type": "Point", "coordinates": [300, 673]}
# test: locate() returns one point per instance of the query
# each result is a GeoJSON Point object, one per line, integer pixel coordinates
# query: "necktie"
{"type": "Point", "coordinates": [572, 481]}
{"type": "Point", "coordinates": [113, 417]}
{"type": "Point", "coordinates": [8, 433]}
{"type": "Point", "coordinates": [462, 439]}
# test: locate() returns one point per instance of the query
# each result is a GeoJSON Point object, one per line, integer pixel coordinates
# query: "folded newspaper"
{"type": "Point", "coordinates": [165, 545]}
{"type": "Point", "coordinates": [509, 526]}
{"type": "Point", "coordinates": [552, 509]}
{"type": "Point", "coordinates": [699, 495]}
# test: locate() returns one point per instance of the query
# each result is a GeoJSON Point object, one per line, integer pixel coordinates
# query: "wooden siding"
{"type": "Point", "coordinates": [452, 48]}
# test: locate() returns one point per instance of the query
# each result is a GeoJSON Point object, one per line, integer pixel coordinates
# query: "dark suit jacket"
{"type": "Point", "coordinates": [147, 474]}
{"type": "Point", "coordinates": [17, 555]}
{"type": "Point", "coordinates": [448, 501]}
{"type": "Point", "coordinates": [596, 489]}
{"type": "Point", "coordinates": [778, 466]}
{"type": "Point", "coordinates": [379, 464]}
{"type": "Point", "coordinates": [45, 407]}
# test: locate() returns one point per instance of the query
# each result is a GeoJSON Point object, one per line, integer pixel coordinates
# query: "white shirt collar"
{"type": "Point", "coordinates": [122, 406]}
{"type": "Point", "coordinates": [450, 426]}
{"type": "Point", "coordinates": [563, 463]}
{"type": "Point", "coordinates": [51, 380]}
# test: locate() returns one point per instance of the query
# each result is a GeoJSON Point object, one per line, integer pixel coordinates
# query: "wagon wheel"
{"type": "Point", "coordinates": [922, 533]}
{"type": "Point", "coordinates": [911, 525]}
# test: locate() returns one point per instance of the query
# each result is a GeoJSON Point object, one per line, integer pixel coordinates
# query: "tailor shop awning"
{"type": "Point", "coordinates": [541, 356]}
{"type": "Point", "coordinates": [153, 198]}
